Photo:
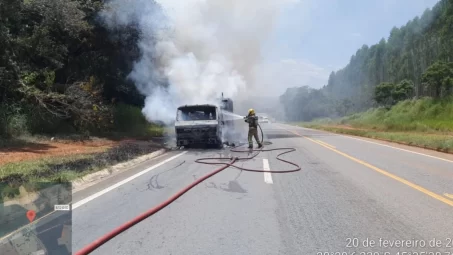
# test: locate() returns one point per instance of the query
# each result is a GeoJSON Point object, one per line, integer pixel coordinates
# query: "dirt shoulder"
{"type": "Point", "coordinates": [41, 150]}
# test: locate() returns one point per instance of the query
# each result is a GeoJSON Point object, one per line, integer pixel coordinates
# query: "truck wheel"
{"type": "Point", "coordinates": [219, 144]}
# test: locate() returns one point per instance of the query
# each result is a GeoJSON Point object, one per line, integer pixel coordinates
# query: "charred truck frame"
{"type": "Point", "coordinates": [203, 124]}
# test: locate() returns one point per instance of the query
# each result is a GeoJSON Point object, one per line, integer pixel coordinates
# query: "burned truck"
{"type": "Point", "coordinates": [206, 124]}
{"type": "Point", "coordinates": [199, 125]}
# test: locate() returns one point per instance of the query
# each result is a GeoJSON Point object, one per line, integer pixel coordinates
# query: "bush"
{"type": "Point", "coordinates": [13, 121]}
{"type": "Point", "coordinates": [27, 120]}
{"type": "Point", "coordinates": [129, 120]}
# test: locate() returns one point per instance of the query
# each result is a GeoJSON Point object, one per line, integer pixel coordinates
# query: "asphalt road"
{"type": "Point", "coordinates": [352, 195]}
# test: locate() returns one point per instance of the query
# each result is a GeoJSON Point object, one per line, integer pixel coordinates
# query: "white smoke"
{"type": "Point", "coordinates": [200, 48]}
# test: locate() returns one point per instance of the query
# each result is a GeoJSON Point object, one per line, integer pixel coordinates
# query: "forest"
{"type": "Point", "coordinates": [62, 71]}
{"type": "Point", "coordinates": [414, 62]}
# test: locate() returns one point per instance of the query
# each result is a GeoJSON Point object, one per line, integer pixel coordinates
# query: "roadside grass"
{"type": "Point", "coordinates": [437, 142]}
{"type": "Point", "coordinates": [422, 115]}
{"type": "Point", "coordinates": [425, 123]}
{"type": "Point", "coordinates": [65, 169]}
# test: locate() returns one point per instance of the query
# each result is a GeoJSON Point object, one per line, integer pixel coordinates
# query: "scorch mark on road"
{"type": "Point", "coordinates": [102, 192]}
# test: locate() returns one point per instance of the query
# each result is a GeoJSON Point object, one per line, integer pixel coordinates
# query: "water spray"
{"type": "Point", "coordinates": [233, 116]}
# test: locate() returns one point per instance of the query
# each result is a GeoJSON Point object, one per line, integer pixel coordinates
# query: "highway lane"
{"type": "Point", "coordinates": [336, 198]}
{"type": "Point", "coordinates": [430, 172]}
{"type": "Point", "coordinates": [346, 189]}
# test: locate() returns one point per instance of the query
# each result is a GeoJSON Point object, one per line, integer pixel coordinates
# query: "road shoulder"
{"type": "Point", "coordinates": [105, 180]}
{"type": "Point", "coordinates": [394, 145]}
{"type": "Point", "coordinates": [96, 177]}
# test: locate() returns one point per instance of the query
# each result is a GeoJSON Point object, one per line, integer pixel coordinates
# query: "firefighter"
{"type": "Point", "coordinates": [252, 119]}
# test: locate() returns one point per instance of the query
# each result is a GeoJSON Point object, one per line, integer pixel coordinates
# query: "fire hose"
{"type": "Point", "coordinates": [97, 243]}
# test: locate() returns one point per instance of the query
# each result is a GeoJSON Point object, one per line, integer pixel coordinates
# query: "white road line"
{"type": "Point", "coordinates": [267, 176]}
{"type": "Point", "coordinates": [385, 145]}
{"type": "Point", "coordinates": [102, 192]}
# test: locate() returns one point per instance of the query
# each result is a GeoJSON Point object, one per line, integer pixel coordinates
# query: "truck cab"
{"type": "Point", "coordinates": [199, 125]}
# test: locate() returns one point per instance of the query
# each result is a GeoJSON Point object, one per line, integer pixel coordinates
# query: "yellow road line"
{"type": "Point", "coordinates": [326, 144]}
{"type": "Point", "coordinates": [448, 195]}
{"type": "Point", "coordinates": [399, 179]}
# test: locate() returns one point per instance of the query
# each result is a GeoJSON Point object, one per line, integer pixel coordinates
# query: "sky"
{"type": "Point", "coordinates": [311, 38]}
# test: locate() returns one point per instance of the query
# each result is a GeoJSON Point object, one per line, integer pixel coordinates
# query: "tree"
{"type": "Point", "coordinates": [439, 78]}
{"type": "Point", "coordinates": [402, 90]}
{"type": "Point", "coordinates": [59, 64]}
{"type": "Point", "coordinates": [344, 107]}
{"type": "Point", "coordinates": [383, 93]}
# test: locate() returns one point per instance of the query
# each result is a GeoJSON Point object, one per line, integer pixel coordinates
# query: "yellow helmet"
{"type": "Point", "coordinates": [251, 112]}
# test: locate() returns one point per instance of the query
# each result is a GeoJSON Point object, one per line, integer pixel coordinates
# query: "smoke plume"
{"type": "Point", "coordinates": [193, 50]}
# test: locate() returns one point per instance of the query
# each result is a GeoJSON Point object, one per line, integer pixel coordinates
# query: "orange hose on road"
{"type": "Point", "coordinates": [96, 244]}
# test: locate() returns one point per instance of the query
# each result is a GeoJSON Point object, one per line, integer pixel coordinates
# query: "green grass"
{"type": "Point", "coordinates": [65, 169]}
{"type": "Point", "coordinates": [130, 122]}
{"type": "Point", "coordinates": [155, 130]}
{"type": "Point", "coordinates": [423, 115]}
{"type": "Point", "coordinates": [46, 170]}
{"type": "Point", "coordinates": [51, 170]}
{"type": "Point", "coordinates": [442, 143]}
{"type": "Point", "coordinates": [426, 123]}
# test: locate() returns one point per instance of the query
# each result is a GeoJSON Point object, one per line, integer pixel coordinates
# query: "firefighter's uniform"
{"type": "Point", "coordinates": [253, 128]}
